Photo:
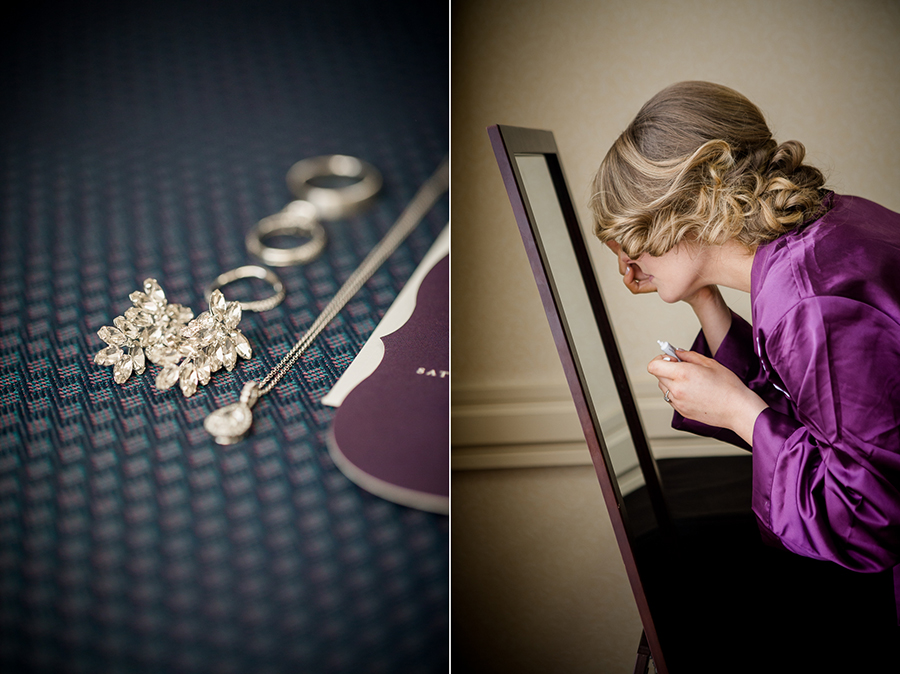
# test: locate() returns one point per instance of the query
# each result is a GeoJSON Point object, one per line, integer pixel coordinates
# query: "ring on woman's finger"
{"type": "Point", "coordinates": [666, 397]}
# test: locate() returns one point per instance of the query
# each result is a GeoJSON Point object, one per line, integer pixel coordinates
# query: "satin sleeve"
{"type": "Point", "coordinates": [825, 484]}
{"type": "Point", "coordinates": [737, 354]}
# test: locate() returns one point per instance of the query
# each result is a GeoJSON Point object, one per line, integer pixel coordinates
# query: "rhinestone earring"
{"type": "Point", "coordinates": [150, 324]}
{"type": "Point", "coordinates": [188, 349]}
{"type": "Point", "coordinates": [165, 334]}
{"type": "Point", "coordinates": [208, 343]}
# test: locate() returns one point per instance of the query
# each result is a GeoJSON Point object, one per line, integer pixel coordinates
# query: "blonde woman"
{"type": "Point", "coordinates": [696, 194]}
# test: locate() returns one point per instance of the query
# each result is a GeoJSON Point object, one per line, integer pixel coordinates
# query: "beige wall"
{"type": "Point", "coordinates": [825, 73]}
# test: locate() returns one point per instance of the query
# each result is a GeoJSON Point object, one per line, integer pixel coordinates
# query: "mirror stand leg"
{"type": "Point", "coordinates": [642, 664]}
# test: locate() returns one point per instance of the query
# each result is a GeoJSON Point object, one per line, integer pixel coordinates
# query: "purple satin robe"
{"type": "Point", "coordinates": [824, 353]}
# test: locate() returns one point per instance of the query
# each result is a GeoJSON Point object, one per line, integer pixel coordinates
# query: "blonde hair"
{"type": "Point", "coordinates": [699, 163]}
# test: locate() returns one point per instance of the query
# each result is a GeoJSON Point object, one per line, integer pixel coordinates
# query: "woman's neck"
{"type": "Point", "coordinates": [731, 265]}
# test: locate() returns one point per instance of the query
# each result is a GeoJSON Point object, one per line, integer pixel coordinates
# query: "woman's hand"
{"type": "Point", "coordinates": [635, 279]}
{"type": "Point", "coordinates": [704, 390]}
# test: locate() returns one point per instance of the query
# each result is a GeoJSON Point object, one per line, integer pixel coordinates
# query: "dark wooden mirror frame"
{"type": "Point", "coordinates": [508, 142]}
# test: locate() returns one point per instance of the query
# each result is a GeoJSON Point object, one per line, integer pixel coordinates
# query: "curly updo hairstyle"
{"type": "Point", "coordinates": [699, 163]}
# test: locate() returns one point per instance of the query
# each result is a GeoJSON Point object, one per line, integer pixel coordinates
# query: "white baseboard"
{"type": "Point", "coordinates": [521, 426]}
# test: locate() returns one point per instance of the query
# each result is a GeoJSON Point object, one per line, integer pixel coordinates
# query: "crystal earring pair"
{"type": "Point", "coordinates": [188, 349]}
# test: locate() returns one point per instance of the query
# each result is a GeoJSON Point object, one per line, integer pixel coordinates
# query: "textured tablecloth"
{"type": "Point", "coordinates": [144, 140]}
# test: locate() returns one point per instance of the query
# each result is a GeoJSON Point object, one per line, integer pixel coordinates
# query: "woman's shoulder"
{"type": "Point", "coordinates": [851, 251]}
{"type": "Point", "coordinates": [852, 239]}
{"type": "Point", "coordinates": [851, 215]}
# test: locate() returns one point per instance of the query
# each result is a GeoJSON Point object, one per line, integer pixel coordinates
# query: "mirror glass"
{"type": "Point", "coordinates": [579, 318]}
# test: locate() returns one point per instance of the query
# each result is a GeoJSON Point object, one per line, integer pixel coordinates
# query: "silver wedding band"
{"type": "Point", "coordinates": [334, 202]}
{"type": "Point", "coordinates": [251, 271]}
{"type": "Point", "coordinates": [666, 398]}
{"type": "Point", "coordinates": [298, 218]}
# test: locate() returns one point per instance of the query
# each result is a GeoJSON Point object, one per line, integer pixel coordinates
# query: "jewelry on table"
{"type": "Point", "coordinates": [298, 218]}
{"type": "Point", "coordinates": [334, 202]}
{"type": "Point", "coordinates": [250, 271]}
{"type": "Point", "coordinates": [189, 349]}
{"type": "Point", "coordinates": [314, 202]}
{"type": "Point", "coordinates": [231, 423]}
{"type": "Point", "coordinates": [152, 323]}
{"type": "Point", "coordinates": [206, 344]}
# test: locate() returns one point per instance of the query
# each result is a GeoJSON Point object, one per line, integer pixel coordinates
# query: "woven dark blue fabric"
{"type": "Point", "coordinates": [144, 140]}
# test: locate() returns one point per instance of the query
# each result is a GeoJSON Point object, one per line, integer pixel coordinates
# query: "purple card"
{"type": "Point", "coordinates": [391, 433]}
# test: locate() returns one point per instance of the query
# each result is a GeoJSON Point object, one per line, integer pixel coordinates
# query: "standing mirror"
{"type": "Point", "coordinates": [587, 347]}
{"type": "Point", "coordinates": [711, 595]}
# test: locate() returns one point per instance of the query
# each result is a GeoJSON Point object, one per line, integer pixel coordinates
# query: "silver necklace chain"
{"type": "Point", "coordinates": [230, 423]}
